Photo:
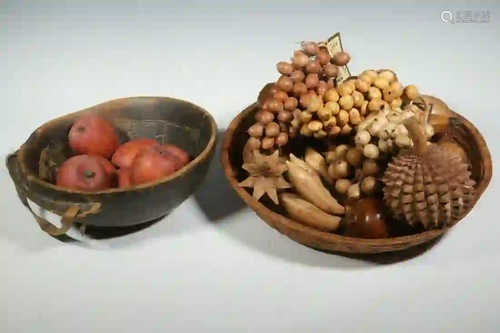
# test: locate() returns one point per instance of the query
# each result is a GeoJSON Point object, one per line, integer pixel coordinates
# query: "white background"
{"type": "Point", "coordinates": [213, 266]}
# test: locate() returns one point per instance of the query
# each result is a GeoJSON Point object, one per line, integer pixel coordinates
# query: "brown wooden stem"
{"type": "Point", "coordinates": [417, 135]}
{"type": "Point", "coordinates": [88, 174]}
{"type": "Point", "coordinates": [426, 108]}
{"type": "Point", "coordinates": [431, 108]}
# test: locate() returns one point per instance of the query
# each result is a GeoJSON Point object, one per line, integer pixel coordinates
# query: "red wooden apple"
{"type": "Point", "coordinates": [152, 163]}
{"type": "Point", "coordinates": [107, 165]}
{"type": "Point", "coordinates": [124, 178]}
{"type": "Point", "coordinates": [83, 173]}
{"type": "Point", "coordinates": [125, 154]}
{"type": "Point", "coordinates": [178, 154]}
{"type": "Point", "coordinates": [110, 169]}
{"type": "Point", "coordinates": [93, 135]}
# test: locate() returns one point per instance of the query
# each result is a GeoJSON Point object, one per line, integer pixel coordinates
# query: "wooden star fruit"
{"type": "Point", "coordinates": [265, 175]}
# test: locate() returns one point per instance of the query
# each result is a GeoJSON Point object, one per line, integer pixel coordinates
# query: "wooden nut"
{"type": "Point", "coordinates": [332, 121]}
{"type": "Point", "coordinates": [354, 116]}
{"type": "Point", "coordinates": [315, 126]}
{"type": "Point", "coordinates": [346, 130]}
{"type": "Point", "coordinates": [334, 131]}
{"type": "Point", "coordinates": [305, 131]}
{"type": "Point", "coordinates": [343, 118]}
{"type": "Point", "coordinates": [305, 117]}
{"type": "Point", "coordinates": [320, 134]}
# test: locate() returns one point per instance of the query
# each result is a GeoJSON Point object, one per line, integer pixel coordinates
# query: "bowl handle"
{"type": "Point", "coordinates": [73, 212]}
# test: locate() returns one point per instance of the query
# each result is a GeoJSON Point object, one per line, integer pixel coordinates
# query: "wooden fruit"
{"type": "Point", "coordinates": [83, 173]}
{"type": "Point", "coordinates": [440, 113]}
{"type": "Point", "coordinates": [107, 165]}
{"type": "Point", "coordinates": [428, 185]}
{"type": "Point", "coordinates": [125, 154]}
{"type": "Point", "coordinates": [152, 163]}
{"type": "Point", "coordinates": [439, 107]}
{"type": "Point", "coordinates": [365, 219]}
{"type": "Point", "coordinates": [116, 207]}
{"type": "Point", "coordinates": [93, 135]}
{"type": "Point", "coordinates": [124, 178]}
{"type": "Point", "coordinates": [235, 140]}
{"type": "Point", "coordinates": [178, 154]}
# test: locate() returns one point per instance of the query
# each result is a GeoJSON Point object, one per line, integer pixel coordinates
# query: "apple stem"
{"type": "Point", "coordinates": [88, 174]}
{"type": "Point", "coordinates": [81, 128]}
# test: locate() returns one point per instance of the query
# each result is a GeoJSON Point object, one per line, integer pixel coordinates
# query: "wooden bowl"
{"type": "Point", "coordinates": [165, 119]}
{"type": "Point", "coordinates": [464, 133]}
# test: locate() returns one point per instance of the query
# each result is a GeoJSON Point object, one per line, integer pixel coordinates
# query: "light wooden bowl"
{"type": "Point", "coordinates": [464, 133]}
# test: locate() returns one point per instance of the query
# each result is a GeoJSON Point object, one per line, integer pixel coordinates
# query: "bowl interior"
{"type": "Point", "coordinates": [165, 119]}
{"type": "Point", "coordinates": [461, 131]}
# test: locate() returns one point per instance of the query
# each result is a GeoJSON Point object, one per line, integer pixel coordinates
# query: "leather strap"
{"type": "Point", "coordinates": [74, 212]}
{"type": "Point", "coordinates": [67, 220]}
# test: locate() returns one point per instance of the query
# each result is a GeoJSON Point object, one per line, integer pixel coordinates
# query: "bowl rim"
{"type": "Point", "coordinates": [181, 172]}
{"type": "Point", "coordinates": [400, 241]}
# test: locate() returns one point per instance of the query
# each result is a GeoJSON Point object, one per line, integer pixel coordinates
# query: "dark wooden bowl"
{"type": "Point", "coordinates": [164, 119]}
{"type": "Point", "coordinates": [464, 133]}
